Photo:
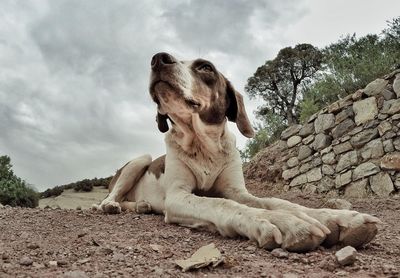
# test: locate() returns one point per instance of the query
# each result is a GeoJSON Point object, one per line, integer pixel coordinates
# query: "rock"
{"type": "Point", "coordinates": [346, 160]}
{"type": "Point", "coordinates": [364, 170]}
{"type": "Point", "coordinates": [391, 161]}
{"type": "Point", "coordinates": [326, 150]}
{"type": "Point", "coordinates": [321, 141]}
{"type": "Point", "coordinates": [338, 204]}
{"type": "Point", "coordinates": [359, 140]}
{"type": "Point", "coordinates": [357, 95]}
{"type": "Point", "coordinates": [306, 130]}
{"type": "Point", "coordinates": [309, 189]}
{"type": "Point", "coordinates": [343, 128]}
{"type": "Point", "coordinates": [356, 130]}
{"type": "Point", "coordinates": [389, 135]}
{"type": "Point", "coordinates": [324, 122]}
{"type": "Point", "coordinates": [305, 167]}
{"type": "Point", "coordinates": [381, 184]}
{"type": "Point", "coordinates": [329, 158]}
{"type": "Point", "coordinates": [387, 95]}
{"type": "Point", "coordinates": [290, 173]}
{"type": "Point", "coordinates": [293, 141]}
{"type": "Point", "coordinates": [334, 107]}
{"type": "Point", "coordinates": [304, 152]}
{"type": "Point", "coordinates": [388, 146]}
{"type": "Point", "coordinates": [345, 114]}
{"type": "Point", "coordinates": [391, 106]}
{"type": "Point", "coordinates": [301, 179]}
{"type": "Point", "coordinates": [375, 87]}
{"type": "Point", "coordinates": [290, 131]}
{"type": "Point", "coordinates": [308, 139]}
{"type": "Point", "coordinates": [32, 246]}
{"type": "Point", "coordinates": [292, 162]}
{"type": "Point", "coordinates": [53, 263]}
{"type": "Point", "coordinates": [326, 184]}
{"type": "Point", "coordinates": [1, 206]}
{"type": "Point", "coordinates": [357, 189]}
{"type": "Point", "coordinates": [384, 127]}
{"type": "Point", "coordinates": [26, 261]}
{"type": "Point", "coordinates": [327, 170]}
{"type": "Point", "coordinates": [346, 255]}
{"type": "Point", "coordinates": [280, 253]}
{"type": "Point", "coordinates": [314, 175]}
{"type": "Point", "coordinates": [75, 274]}
{"type": "Point", "coordinates": [396, 85]}
{"type": "Point", "coordinates": [343, 179]}
{"type": "Point", "coordinates": [373, 149]}
{"type": "Point", "coordinates": [365, 110]}
{"type": "Point", "coordinates": [342, 148]}
{"type": "Point", "coordinates": [396, 143]}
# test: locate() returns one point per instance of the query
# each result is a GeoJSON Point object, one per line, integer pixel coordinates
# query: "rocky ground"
{"type": "Point", "coordinates": [81, 243]}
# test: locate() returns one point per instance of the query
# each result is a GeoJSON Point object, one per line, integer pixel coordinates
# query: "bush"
{"type": "Point", "coordinates": [83, 185]}
{"type": "Point", "coordinates": [52, 192]}
{"type": "Point", "coordinates": [16, 193]}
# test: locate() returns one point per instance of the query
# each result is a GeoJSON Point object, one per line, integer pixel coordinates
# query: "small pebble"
{"type": "Point", "coordinates": [279, 253]}
{"type": "Point", "coordinates": [26, 261]}
{"type": "Point", "coordinates": [346, 255]}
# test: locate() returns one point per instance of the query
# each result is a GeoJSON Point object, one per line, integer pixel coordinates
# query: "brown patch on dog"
{"type": "Point", "coordinates": [157, 167]}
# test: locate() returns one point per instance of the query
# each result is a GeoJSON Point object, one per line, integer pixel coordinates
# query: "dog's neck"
{"type": "Point", "coordinates": [191, 131]}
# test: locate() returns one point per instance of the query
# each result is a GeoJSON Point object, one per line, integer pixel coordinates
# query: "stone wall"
{"type": "Point", "coordinates": [351, 147]}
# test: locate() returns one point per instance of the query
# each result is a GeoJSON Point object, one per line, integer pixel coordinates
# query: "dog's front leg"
{"type": "Point", "coordinates": [346, 227]}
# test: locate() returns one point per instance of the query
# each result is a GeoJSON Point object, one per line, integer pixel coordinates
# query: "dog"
{"type": "Point", "coordinates": [199, 183]}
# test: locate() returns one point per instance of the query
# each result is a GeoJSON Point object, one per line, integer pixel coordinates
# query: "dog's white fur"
{"type": "Point", "coordinates": [202, 158]}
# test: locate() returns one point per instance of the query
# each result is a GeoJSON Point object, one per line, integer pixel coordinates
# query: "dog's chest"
{"type": "Point", "coordinates": [205, 169]}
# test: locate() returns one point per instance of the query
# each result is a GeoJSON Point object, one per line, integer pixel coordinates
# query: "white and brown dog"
{"type": "Point", "coordinates": [199, 182]}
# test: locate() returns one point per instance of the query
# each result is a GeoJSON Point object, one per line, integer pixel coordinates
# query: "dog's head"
{"type": "Point", "coordinates": [183, 88]}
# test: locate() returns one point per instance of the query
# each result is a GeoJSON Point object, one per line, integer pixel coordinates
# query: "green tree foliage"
{"type": "Point", "coordinates": [350, 64]}
{"type": "Point", "coordinates": [280, 82]}
{"type": "Point", "coordinates": [13, 190]}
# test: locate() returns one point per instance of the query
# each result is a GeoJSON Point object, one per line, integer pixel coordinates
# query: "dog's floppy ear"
{"type": "Point", "coordinates": [236, 111]}
{"type": "Point", "coordinates": [162, 122]}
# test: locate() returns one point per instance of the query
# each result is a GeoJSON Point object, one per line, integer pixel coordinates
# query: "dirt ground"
{"type": "Point", "coordinates": [81, 243]}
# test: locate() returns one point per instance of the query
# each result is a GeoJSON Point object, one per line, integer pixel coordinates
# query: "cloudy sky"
{"type": "Point", "coordinates": [74, 102]}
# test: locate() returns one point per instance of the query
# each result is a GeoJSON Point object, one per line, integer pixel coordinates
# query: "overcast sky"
{"type": "Point", "coordinates": [74, 101]}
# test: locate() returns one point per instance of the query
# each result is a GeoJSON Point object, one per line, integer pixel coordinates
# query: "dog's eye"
{"type": "Point", "coordinates": [206, 68]}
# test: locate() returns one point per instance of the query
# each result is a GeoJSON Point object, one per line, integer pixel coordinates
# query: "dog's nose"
{"type": "Point", "coordinates": [162, 59]}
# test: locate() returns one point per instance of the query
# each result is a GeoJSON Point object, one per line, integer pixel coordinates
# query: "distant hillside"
{"type": "Point", "coordinates": [85, 185]}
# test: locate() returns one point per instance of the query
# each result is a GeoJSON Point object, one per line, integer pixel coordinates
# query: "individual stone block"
{"type": "Point", "coordinates": [324, 122]}
{"type": "Point", "coordinates": [388, 146]}
{"type": "Point", "coordinates": [345, 114]}
{"type": "Point", "coordinates": [326, 150]}
{"type": "Point", "coordinates": [343, 179]}
{"type": "Point", "coordinates": [375, 87]}
{"type": "Point", "coordinates": [396, 144]}
{"type": "Point", "coordinates": [365, 110]}
{"type": "Point", "coordinates": [384, 127]}
{"type": "Point", "coordinates": [373, 149]}
{"type": "Point", "coordinates": [391, 161]}
{"type": "Point", "coordinates": [343, 128]}
{"type": "Point", "coordinates": [389, 135]}
{"type": "Point", "coordinates": [388, 94]}
{"type": "Point", "coordinates": [357, 189]}
{"type": "Point", "coordinates": [364, 170]}
{"type": "Point", "coordinates": [305, 167]}
{"type": "Point", "coordinates": [361, 138]}
{"type": "Point", "coordinates": [325, 185]}
{"type": "Point", "coordinates": [304, 152]}
{"type": "Point", "coordinates": [290, 131]}
{"type": "Point", "coordinates": [342, 148]}
{"type": "Point", "coordinates": [290, 173]}
{"type": "Point", "coordinates": [301, 179]}
{"type": "Point", "coordinates": [396, 85]}
{"type": "Point", "coordinates": [314, 175]}
{"type": "Point", "coordinates": [309, 189]}
{"type": "Point", "coordinates": [329, 158]}
{"type": "Point", "coordinates": [391, 106]}
{"type": "Point", "coordinates": [327, 170]}
{"type": "Point", "coordinates": [346, 160]}
{"type": "Point", "coordinates": [381, 184]}
{"type": "Point", "coordinates": [293, 141]}
{"type": "Point", "coordinates": [321, 141]}
{"type": "Point", "coordinates": [308, 139]}
{"type": "Point", "coordinates": [292, 162]}
{"type": "Point", "coordinates": [306, 130]}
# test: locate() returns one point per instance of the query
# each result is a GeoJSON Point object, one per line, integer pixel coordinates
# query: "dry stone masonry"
{"type": "Point", "coordinates": [351, 147]}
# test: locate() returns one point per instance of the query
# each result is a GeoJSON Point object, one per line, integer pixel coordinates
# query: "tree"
{"type": "Point", "coordinates": [280, 82]}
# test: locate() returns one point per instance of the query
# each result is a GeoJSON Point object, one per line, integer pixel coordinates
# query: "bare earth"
{"type": "Point", "coordinates": [128, 245]}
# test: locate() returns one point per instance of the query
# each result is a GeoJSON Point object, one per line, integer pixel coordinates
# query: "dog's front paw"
{"type": "Point", "coordinates": [110, 207]}
{"type": "Point", "coordinates": [347, 227]}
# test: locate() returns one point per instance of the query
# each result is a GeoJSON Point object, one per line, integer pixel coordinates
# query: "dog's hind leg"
{"type": "Point", "coordinates": [123, 181]}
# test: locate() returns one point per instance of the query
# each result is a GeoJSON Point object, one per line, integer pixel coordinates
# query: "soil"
{"type": "Point", "coordinates": [82, 243]}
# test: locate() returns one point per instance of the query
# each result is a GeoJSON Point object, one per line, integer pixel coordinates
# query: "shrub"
{"type": "Point", "coordinates": [15, 192]}
{"type": "Point", "coordinates": [52, 192]}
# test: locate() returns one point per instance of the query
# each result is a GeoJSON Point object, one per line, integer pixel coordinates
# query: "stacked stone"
{"type": "Point", "coordinates": [351, 147]}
